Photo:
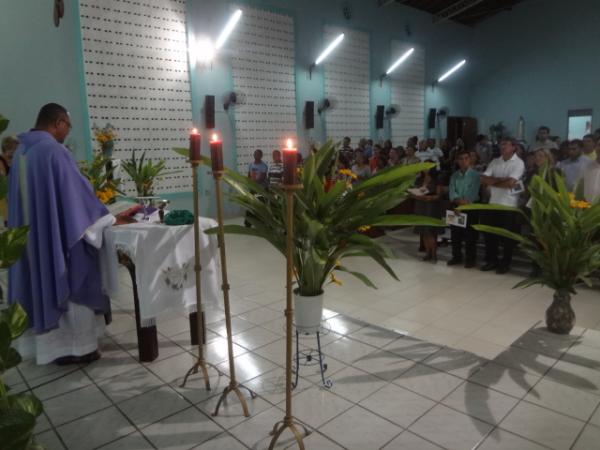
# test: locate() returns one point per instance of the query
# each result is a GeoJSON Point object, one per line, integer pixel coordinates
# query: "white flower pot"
{"type": "Point", "coordinates": [308, 312]}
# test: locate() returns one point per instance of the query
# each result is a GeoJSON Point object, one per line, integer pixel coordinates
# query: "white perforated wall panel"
{"type": "Point", "coordinates": [263, 72]}
{"type": "Point", "coordinates": [408, 92]}
{"type": "Point", "coordinates": [137, 79]}
{"type": "Point", "coordinates": [347, 85]}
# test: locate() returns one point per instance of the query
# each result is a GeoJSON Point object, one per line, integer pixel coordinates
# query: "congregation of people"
{"type": "Point", "coordinates": [497, 173]}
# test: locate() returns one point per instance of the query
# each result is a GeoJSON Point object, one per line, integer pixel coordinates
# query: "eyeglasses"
{"type": "Point", "coordinates": [68, 122]}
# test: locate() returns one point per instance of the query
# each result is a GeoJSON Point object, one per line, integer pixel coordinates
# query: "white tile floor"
{"type": "Point", "coordinates": [433, 387]}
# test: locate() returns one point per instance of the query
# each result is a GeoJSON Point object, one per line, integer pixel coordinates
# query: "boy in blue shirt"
{"type": "Point", "coordinates": [258, 170]}
{"type": "Point", "coordinates": [464, 189]}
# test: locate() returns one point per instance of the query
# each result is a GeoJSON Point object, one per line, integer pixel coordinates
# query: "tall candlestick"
{"type": "Point", "coordinates": [216, 153]}
{"type": "Point", "coordinates": [289, 164]}
{"type": "Point", "coordinates": [194, 145]}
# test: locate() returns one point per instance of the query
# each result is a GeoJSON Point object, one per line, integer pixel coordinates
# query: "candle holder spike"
{"type": "Point", "coordinates": [201, 364]}
{"type": "Point", "coordinates": [233, 386]}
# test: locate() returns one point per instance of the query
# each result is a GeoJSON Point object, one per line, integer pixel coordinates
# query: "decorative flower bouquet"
{"type": "Point", "coordinates": [105, 137]}
{"type": "Point", "coordinates": [563, 244]}
{"type": "Point", "coordinates": [99, 174]}
{"type": "Point", "coordinates": [327, 224]}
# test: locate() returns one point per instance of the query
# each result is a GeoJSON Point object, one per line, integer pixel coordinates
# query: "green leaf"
{"type": "Point", "coordinates": [407, 220]}
{"type": "Point", "coordinates": [16, 428]}
{"type": "Point", "coordinates": [489, 207]}
{"type": "Point", "coordinates": [12, 243]}
{"type": "Point", "coordinates": [500, 232]}
{"type": "Point", "coordinates": [362, 277]}
{"type": "Point", "coordinates": [182, 151]}
{"type": "Point", "coordinates": [26, 402]}
{"type": "Point", "coordinates": [16, 318]}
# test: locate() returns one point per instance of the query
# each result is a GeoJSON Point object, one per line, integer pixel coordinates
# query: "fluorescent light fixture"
{"type": "Point", "coordinates": [204, 50]}
{"type": "Point", "coordinates": [400, 60]}
{"type": "Point", "coordinates": [233, 20]}
{"type": "Point", "coordinates": [451, 71]}
{"type": "Point", "coordinates": [329, 49]}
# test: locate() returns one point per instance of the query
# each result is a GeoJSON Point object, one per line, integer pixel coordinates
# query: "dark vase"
{"type": "Point", "coordinates": [107, 149]}
{"type": "Point", "coordinates": [560, 317]}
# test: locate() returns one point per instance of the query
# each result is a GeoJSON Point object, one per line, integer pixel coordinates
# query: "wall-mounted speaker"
{"type": "Point", "coordinates": [431, 118]}
{"type": "Point", "coordinates": [379, 116]}
{"type": "Point", "coordinates": [209, 112]}
{"type": "Point", "coordinates": [309, 115]}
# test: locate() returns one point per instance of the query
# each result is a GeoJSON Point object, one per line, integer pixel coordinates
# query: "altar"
{"type": "Point", "coordinates": [160, 260]}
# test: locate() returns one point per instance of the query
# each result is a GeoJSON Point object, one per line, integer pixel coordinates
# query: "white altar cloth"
{"type": "Point", "coordinates": [164, 263]}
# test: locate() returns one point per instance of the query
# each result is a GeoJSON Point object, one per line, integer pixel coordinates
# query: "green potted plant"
{"type": "Point", "coordinates": [328, 223]}
{"type": "Point", "coordinates": [563, 243]}
{"type": "Point", "coordinates": [18, 412]}
{"type": "Point", "coordinates": [143, 173]}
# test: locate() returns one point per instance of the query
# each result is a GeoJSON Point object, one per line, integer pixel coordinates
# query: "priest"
{"type": "Point", "coordinates": [57, 279]}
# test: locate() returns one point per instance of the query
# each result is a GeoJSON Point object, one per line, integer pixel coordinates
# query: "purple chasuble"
{"type": "Point", "coordinates": [58, 266]}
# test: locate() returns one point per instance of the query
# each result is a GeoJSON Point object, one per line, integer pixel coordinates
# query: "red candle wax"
{"type": "Point", "coordinates": [216, 153]}
{"type": "Point", "coordinates": [289, 164]}
{"type": "Point", "coordinates": [194, 145]}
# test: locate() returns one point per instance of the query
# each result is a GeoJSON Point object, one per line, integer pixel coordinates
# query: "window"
{"type": "Point", "coordinates": [580, 123]}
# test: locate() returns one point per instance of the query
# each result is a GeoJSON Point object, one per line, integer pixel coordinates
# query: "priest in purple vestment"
{"type": "Point", "coordinates": [57, 280]}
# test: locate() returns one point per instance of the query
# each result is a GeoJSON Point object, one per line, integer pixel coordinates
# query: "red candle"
{"type": "Point", "coordinates": [194, 145]}
{"type": "Point", "coordinates": [216, 153]}
{"type": "Point", "coordinates": [289, 164]}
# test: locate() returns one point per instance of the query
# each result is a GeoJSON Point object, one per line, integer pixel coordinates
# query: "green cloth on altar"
{"type": "Point", "coordinates": [179, 217]}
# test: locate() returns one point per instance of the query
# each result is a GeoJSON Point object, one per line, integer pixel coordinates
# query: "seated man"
{"type": "Point", "coordinates": [57, 279]}
{"type": "Point", "coordinates": [502, 177]}
{"type": "Point", "coordinates": [464, 189]}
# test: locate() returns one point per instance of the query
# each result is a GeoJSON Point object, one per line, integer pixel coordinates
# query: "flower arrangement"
{"type": "Point", "coordinates": [563, 243]}
{"type": "Point", "coordinates": [105, 137]}
{"type": "Point", "coordinates": [99, 173]}
{"type": "Point", "coordinates": [327, 223]}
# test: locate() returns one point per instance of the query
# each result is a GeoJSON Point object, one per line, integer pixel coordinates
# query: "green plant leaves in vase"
{"type": "Point", "coordinates": [144, 173]}
{"type": "Point", "coordinates": [326, 223]}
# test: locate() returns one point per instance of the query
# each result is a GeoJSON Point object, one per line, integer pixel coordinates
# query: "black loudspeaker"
{"type": "Point", "coordinates": [209, 112]}
{"type": "Point", "coordinates": [431, 118]}
{"type": "Point", "coordinates": [379, 117]}
{"type": "Point", "coordinates": [309, 115]}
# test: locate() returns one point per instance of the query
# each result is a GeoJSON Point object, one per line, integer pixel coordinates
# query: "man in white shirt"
{"type": "Point", "coordinates": [502, 176]}
{"type": "Point", "coordinates": [425, 153]}
{"type": "Point", "coordinates": [591, 178]}
{"type": "Point", "coordinates": [589, 146]}
{"type": "Point", "coordinates": [542, 140]}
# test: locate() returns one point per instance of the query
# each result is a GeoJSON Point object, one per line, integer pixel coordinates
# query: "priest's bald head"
{"type": "Point", "coordinates": [54, 119]}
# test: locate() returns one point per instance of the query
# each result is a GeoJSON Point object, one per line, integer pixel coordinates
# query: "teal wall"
{"type": "Point", "coordinates": [40, 64]}
{"type": "Point", "coordinates": [538, 61]}
{"type": "Point", "coordinates": [444, 45]}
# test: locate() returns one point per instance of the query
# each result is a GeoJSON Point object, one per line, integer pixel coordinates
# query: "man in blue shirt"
{"type": "Point", "coordinates": [464, 189]}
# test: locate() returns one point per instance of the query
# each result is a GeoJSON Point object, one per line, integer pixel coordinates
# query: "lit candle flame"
{"type": "Point", "coordinates": [194, 130]}
{"type": "Point", "coordinates": [215, 137]}
{"type": "Point", "coordinates": [290, 144]}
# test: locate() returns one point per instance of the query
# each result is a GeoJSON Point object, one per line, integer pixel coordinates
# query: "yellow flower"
{"type": "Point", "coordinates": [348, 173]}
{"type": "Point", "coordinates": [334, 279]}
{"type": "Point", "coordinates": [579, 204]}
{"type": "Point", "coordinates": [364, 228]}
{"type": "Point", "coordinates": [360, 194]}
